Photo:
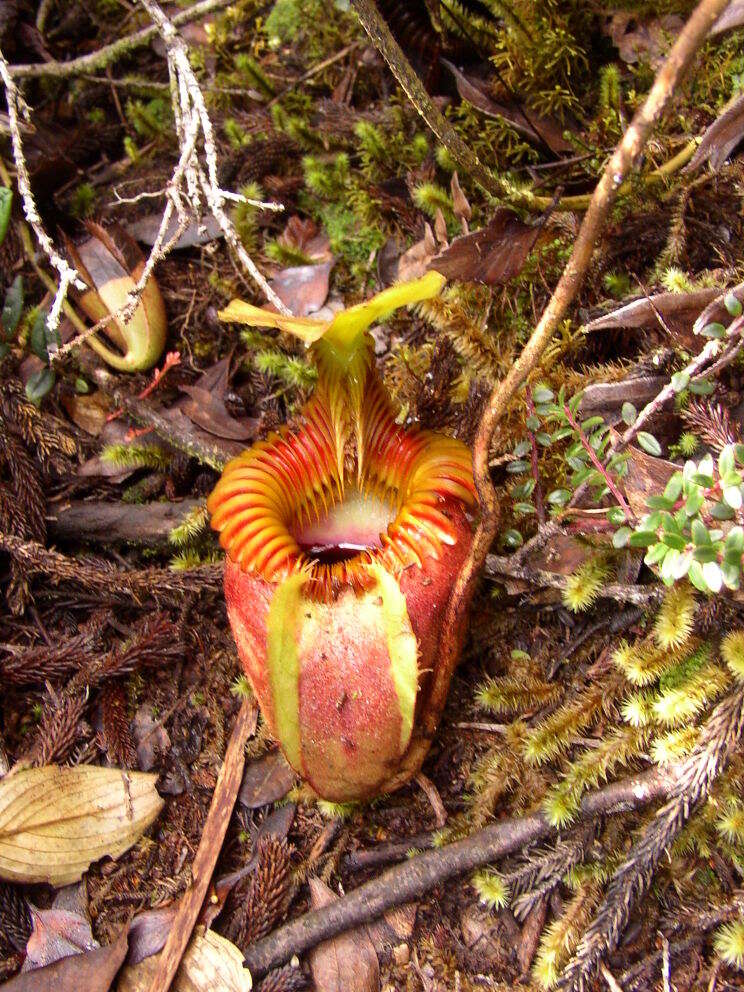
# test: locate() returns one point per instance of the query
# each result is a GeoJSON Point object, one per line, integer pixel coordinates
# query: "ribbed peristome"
{"type": "Point", "coordinates": [346, 437]}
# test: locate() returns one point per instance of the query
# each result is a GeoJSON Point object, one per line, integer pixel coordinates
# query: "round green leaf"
{"type": "Point", "coordinates": [649, 443]}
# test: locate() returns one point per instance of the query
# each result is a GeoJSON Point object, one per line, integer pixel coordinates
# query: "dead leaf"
{"type": "Point", "coordinates": [493, 255]}
{"type": "Point", "coordinates": [147, 229]}
{"type": "Point", "coordinates": [679, 311]}
{"type": "Point", "coordinates": [206, 408]}
{"type": "Point", "coordinates": [151, 738]}
{"type": "Point", "coordinates": [93, 971]}
{"type": "Point", "coordinates": [643, 40]}
{"type": "Point", "coordinates": [531, 931]}
{"type": "Point", "coordinates": [266, 780]}
{"type": "Point", "coordinates": [605, 399]}
{"type": "Point", "coordinates": [646, 476]}
{"type": "Point", "coordinates": [88, 412]}
{"type": "Point", "coordinates": [55, 821]}
{"type": "Point", "coordinates": [303, 289]}
{"type": "Point", "coordinates": [346, 963]}
{"type": "Point", "coordinates": [732, 17]}
{"type": "Point", "coordinates": [57, 934]}
{"type": "Point", "coordinates": [304, 235]}
{"type": "Point", "coordinates": [211, 964]}
{"type": "Point", "coordinates": [463, 210]}
{"type": "Point", "coordinates": [720, 139]}
{"type": "Point", "coordinates": [396, 926]}
{"type": "Point", "coordinates": [415, 262]}
{"type": "Point", "coordinates": [536, 128]}
{"type": "Point", "coordinates": [148, 933]}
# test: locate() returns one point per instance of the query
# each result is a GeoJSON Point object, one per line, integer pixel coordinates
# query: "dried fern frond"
{"type": "Point", "coordinates": [264, 897]}
{"type": "Point", "coordinates": [15, 918]}
{"type": "Point", "coordinates": [58, 732]}
{"type": "Point", "coordinates": [289, 978]}
{"type": "Point", "coordinates": [712, 423]}
{"type": "Point", "coordinates": [115, 737]}
{"type": "Point", "coordinates": [37, 665]}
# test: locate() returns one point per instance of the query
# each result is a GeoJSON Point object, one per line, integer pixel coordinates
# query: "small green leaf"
{"type": "Point", "coordinates": [39, 385]}
{"type": "Point", "coordinates": [732, 304]}
{"type": "Point", "coordinates": [705, 552]}
{"type": "Point", "coordinates": [559, 497]}
{"type": "Point", "coordinates": [6, 205]}
{"type": "Point", "coordinates": [735, 540]}
{"type": "Point", "coordinates": [732, 496]}
{"type": "Point", "coordinates": [673, 488]}
{"type": "Point", "coordinates": [649, 443]}
{"type": "Point", "coordinates": [731, 574]}
{"type": "Point", "coordinates": [513, 539]}
{"type": "Point", "coordinates": [712, 575]}
{"type": "Point", "coordinates": [543, 438]}
{"type": "Point", "coordinates": [517, 466]}
{"type": "Point", "coordinates": [591, 423]}
{"type": "Point", "coordinates": [700, 535]}
{"type": "Point", "coordinates": [541, 394]}
{"type": "Point", "coordinates": [702, 387]}
{"type": "Point", "coordinates": [524, 508]}
{"type": "Point", "coordinates": [642, 538]}
{"type": "Point", "coordinates": [674, 541]}
{"type": "Point", "coordinates": [656, 554]}
{"type": "Point", "coordinates": [721, 511]}
{"type": "Point", "coordinates": [13, 306]}
{"type": "Point", "coordinates": [533, 422]}
{"type": "Point", "coordinates": [727, 461]}
{"type": "Point", "coordinates": [654, 502]}
{"type": "Point", "coordinates": [714, 330]}
{"type": "Point", "coordinates": [680, 381]}
{"type": "Point", "coordinates": [621, 537]}
{"type": "Point", "coordinates": [522, 449]}
{"type": "Point", "coordinates": [616, 515]}
{"type": "Point", "coordinates": [629, 413]}
{"type": "Point", "coordinates": [696, 577]}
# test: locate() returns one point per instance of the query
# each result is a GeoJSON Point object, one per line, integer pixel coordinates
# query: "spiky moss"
{"type": "Point", "coordinates": [732, 652]}
{"type": "Point", "coordinates": [312, 27]}
{"type": "Point", "coordinates": [561, 938]}
{"type": "Point", "coordinates": [676, 617]}
{"type": "Point", "coordinates": [491, 888]}
{"type": "Point", "coordinates": [729, 943]}
{"type": "Point", "coordinates": [583, 586]}
{"type": "Point", "coordinates": [515, 694]}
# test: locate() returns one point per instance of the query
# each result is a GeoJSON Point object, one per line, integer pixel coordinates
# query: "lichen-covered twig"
{"type": "Point", "coordinates": [419, 874]}
{"type": "Point", "coordinates": [110, 53]}
{"type": "Point", "coordinates": [68, 276]}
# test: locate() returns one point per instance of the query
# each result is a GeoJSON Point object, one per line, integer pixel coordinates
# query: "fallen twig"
{"type": "Point", "coordinates": [210, 845]}
{"type": "Point", "coordinates": [110, 53]}
{"type": "Point", "coordinates": [418, 875]}
{"type": "Point", "coordinates": [102, 522]}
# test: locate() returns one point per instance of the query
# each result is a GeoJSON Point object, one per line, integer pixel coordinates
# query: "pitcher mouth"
{"type": "Point", "coordinates": [295, 503]}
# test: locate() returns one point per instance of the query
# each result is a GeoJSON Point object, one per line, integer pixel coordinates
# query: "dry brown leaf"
{"type": "Point", "coordinates": [93, 971]}
{"type": "Point", "coordinates": [147, 228]}
{"type": "Point", "coordinates": [493, 255]}
{"type": "Point", "coordinates": [304, 235]}
{"type": "Point", "coordinates": [646, 476]}
{"type": "Point", "coordinates": [732, 17]}
{"type": "Point", "coordinates": [303, 289]}
{"type": "Point", "coordinates": [415, 262]}
{"type": "Point", "coordinates": [643, 40]}
{"type": "Point", "coordinates": [266, 780]}
{"type": "Point", "coordinates": [462, 209]}
{"type": "Point", "coordinates": [346, 963]}
{"type": "Point", "coordinates": [89, 413]}
{"type": "Point", "coordinates": [537, 129]}
{"type": "Point", "coordinates": [205, 406]}
{"type": "Point", "coordinates": [55, 821]}
{"type": "Point", "coordinates": [720, 139]}
{"type": "Point", "coordinates": [57, 934]}
{"type": "Point", "coordinates": [210, 964]}
{"type": "Point", "coordinates": [678, 310]}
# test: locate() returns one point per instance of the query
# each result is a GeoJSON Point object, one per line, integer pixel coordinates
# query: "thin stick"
{"type": "Point", "coordinates": [110, 53]}
{"type": "Point", "coordinates": [210, 845]}
{"type": "Point", "coordinates": [419, 874]}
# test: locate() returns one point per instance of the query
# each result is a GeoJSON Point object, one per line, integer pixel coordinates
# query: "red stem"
{"type": "Point", "coordinates": [539, 504]}
{"type": "Point", "coordinates": [598, 464]}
